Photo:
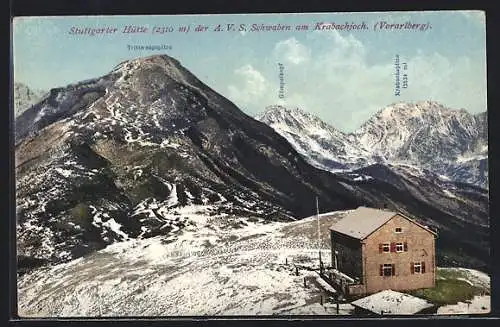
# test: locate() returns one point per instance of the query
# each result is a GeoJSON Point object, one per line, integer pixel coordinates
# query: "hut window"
{"type": "Point", "coordinates": [399, 247]}
{"type": "Point", "coordinates": [418, 267]}
{"type": "Point", "coordinates": [387, 269]}
{"type": "Point", "coordinates": [399, 230]}
{"type": "Point", "coordinates": [386, 247]}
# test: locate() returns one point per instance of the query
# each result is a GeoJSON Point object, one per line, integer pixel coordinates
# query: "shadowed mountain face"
{"type": "Point", "coordinates": [118, 157]}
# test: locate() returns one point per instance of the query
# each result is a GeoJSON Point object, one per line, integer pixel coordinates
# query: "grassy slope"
{"type": "Point", "coordinates": [453, 286]}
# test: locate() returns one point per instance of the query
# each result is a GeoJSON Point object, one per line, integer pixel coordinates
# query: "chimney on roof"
{"type": "Point", "coordinates": [385, 206]}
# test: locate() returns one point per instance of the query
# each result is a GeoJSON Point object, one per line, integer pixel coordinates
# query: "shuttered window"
{"type": "Point", "coordinates": [417, 267]}
{"type": "Point", "coordinates": [399, 247]}
{"type": "Point", "coordinates": [384, 247]}
{"type": "Point", "coordinates": [387, 269]}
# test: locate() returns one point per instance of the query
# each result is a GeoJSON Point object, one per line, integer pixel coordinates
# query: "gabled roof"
{"type": "Point", "coordinates": [391, 302]}
{"type": "Point", "coordinates": [362, 222]}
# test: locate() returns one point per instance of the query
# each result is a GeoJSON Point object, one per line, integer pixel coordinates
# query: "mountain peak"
{"type": "Point", "coordinates": [417, 109]}
{"type": "Point", "coordinates": [423, 133]}
{"type": "Point", "coordinates": [314, 138]}
{"type": "Point", "coordinates": [279, 114]}
{"type": "Point", "coordinates": [159, 59]}
{"type": "Point", "coordinates": [276, 108]}
{"type": "Point", "coordinates": [141, 142]}
{"type": "Point", "coordinates": [410, 132]}
{"type": "Point", "coordinates": [153, 68]}
{"type": "Point", "coordinates": [24, 97]}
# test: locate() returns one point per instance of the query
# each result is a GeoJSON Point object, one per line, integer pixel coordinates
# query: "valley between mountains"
{"type": "Point", "coordinates": [136, 185]}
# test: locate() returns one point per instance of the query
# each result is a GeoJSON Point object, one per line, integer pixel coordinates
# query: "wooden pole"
{"type": "Point", "coordinates": [319, 234]}
{"type": "Point", "coordinates": [305, 282]}
{"type": "Point", "coordinates": [337, 305]}
{"type": "Point", "coordinates": [296, 270]}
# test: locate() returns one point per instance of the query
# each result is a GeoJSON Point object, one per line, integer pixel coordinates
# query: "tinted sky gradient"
{"type": "Point", "coordinates": [342, 76]}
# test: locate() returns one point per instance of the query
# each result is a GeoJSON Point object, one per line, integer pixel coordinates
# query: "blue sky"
{"type": "Point", "coordinates": [342, 76]}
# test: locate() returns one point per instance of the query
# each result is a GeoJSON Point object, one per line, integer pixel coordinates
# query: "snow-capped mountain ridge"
{"type": "Point", "coordinates": [425, 134]}
{"type": "Point", "coordinates": [24, 97]}
{"type": "Point", "coordinates": [450, 142]}
{"type": "Point", "coordinates": [295, 118]}
{"type": "Point", "coordinates": [393, 130]}
{"type": "Point", "coordinates": [324, 146]}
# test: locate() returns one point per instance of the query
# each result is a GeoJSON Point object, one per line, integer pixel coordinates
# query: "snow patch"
{"type": "Point", "coordinates": [391, 302]}
{"type": "Point", "coordinates": [64, 172]}
{"type": "Point", "coordinates": [479, 304]}
{"type": "Point", "coordinates": [449, 194]}
{"type": "Point", "coordinates": [115, 227]}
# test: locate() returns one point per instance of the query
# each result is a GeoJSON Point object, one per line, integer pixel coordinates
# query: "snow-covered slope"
{"type": "Point", "coordinates": [217, 265]}
{"type": "Point", "coordinates": [24, 97]}
{"type": "Point", "coordinates": [426, 134]}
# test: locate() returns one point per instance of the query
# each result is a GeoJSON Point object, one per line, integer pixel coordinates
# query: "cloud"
{"type": "Point", "coordinates": [450, 81]}
{"type": "Point", "coordinates": [334, 78]}
{"type": "Point", "coordinates": [250, 86]}
{"type": "Point", "coordinates": [291, 51]}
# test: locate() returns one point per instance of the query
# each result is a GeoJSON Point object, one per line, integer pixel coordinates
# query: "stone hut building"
{"type": "Point", "coordinates": [380, 249]}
